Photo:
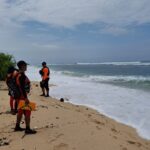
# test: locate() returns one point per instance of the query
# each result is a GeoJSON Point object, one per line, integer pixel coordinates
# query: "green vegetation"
{"type": "Point", "coordinates": [6, 61]}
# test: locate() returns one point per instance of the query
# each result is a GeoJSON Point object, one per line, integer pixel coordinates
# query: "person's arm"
{"type": "Point", "coordinates": [49, 72]}
{"type": "Point", "coordinates": [22, 85]}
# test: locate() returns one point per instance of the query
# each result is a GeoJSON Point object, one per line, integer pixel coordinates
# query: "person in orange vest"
{"type": "Point", "coordinates": [44, 84]}
{"type": "Point", "coordinates": [24, 86]}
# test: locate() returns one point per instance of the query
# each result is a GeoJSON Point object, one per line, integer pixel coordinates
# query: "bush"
{"type": "Point", "coordinates": [6, 61]}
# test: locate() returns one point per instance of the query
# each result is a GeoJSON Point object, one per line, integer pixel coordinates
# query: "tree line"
{"type": "Point", "coordinates": [6, 60]}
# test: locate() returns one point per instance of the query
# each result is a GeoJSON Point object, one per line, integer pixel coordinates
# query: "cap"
{"type": "Point", "coordinates": [43, 63]}
{"type": "Point", "coordinates": [21, 63]}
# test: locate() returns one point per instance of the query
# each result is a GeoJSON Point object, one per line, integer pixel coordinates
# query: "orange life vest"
{"type": "Point", "coordinates": [46, 73]}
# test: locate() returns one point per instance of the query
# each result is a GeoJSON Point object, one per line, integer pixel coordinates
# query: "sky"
{"type": "Point", "coordinates": [69, 31]}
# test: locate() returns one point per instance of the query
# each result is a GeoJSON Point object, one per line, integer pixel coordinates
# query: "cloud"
{"type": "Point", "coordinates": [68, 14]}
{"type": "Point", "coordinates": [114, 30]}
{"type": "Point", "coordinates": [46, 46]}
{"type": "Point", "coordinates": [29, 27]}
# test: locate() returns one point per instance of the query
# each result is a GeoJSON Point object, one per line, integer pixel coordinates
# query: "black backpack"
{"type": "Point", "coordinates": [13, 88]}
{"type": "Point", "coordinates": [41, 72]}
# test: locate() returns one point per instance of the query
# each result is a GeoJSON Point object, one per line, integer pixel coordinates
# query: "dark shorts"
{"type": "Point", "coordinates": [45, 84]}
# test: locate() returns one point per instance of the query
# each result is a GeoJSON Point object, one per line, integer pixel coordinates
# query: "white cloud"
{"type": "Point", "coordinates": [113, 17]}
{"type": "Point", "coordinates": [114, 30]}
{"type": "Point", "coordinates": [46, 46]}
{"type": "Point", "coordinates": [69, 13]}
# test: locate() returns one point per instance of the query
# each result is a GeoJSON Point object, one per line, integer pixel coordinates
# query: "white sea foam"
{"type": "Point", "coordinates": [109, 77]}
{"type": "Point", "coordinates": [33, 73]}
{"type": "Point", "coordinates": [125, 105]}
{"type": "Point", "coordinates": [117, 63]}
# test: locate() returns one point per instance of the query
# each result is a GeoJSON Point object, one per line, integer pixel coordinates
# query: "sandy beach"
{"type": "Point", "coordinates": [64, 126]}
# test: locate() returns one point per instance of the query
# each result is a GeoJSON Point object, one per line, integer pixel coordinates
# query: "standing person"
{"type": "Point", "coordinates": [10, 80]}
{"type": "Point", "coordinates": [45, 72]}
{"type": "Point", "coordinates": [24, 86]}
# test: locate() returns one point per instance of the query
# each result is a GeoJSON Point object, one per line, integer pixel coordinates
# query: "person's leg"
{"type": "Point", "coordinates": [47, 87]}
{"type": "Point", "coordinates": [27, 120]}
{"type": "Point", "coordinates": [19, 117]}
{"type": "Point", "coordinates": [43, 90]}
{"type": "Point", "coordinates": [11, 103]}
{"type": "Point", "coordinates": [16, 106]}
{"type": "Point", "coordinates": [42, 87]}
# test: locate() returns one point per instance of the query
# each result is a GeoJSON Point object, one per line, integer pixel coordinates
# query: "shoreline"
{"type": "Point", "coordinates": [63, 125]}
{"type": "Point", "coordinates": [109, 117]}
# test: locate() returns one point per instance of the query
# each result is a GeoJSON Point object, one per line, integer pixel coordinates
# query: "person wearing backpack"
{"type": "Point", "coordinates": [44, 72]}
{"type": "Point", "coordinates": [10, 80]}
{"type": "Point", "coordinates": [24, 87]}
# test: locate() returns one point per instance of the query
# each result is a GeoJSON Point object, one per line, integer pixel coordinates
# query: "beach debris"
{"type": "Point", "coordinates": [4, 141]}
{"type": "Point", "coordinates": [61, 99]}
{"type": "Point", "coordinates": [64, 99]}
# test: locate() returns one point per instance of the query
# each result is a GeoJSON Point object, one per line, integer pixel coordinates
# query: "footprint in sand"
{"type": "Point", "coordinates": [135, 143]}
{"type": "Point", "coordinates": [98, 122]}
{"type": "Point", "coordinates": [114, 130]}
{"type": "Point", "coordinates": [61, 146]}
{"type": "Point", "coordinates": [98, 127]}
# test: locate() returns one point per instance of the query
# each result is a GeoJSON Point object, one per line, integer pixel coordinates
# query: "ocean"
{"type": "Point", "coordinates": [120, 90]}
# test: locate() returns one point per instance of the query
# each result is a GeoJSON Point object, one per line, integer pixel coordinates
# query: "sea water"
{"type": "Point", "coordinates": [120, 90]}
